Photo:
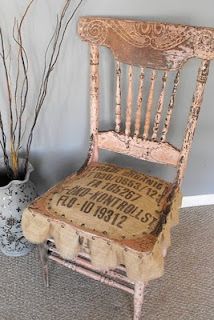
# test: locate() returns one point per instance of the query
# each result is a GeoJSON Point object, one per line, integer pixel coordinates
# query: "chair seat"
{"type": "Point", "coordinates": [112, 213]}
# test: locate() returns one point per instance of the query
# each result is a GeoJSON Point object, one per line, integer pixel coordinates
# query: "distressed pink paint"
{"type": "Point", "coordinates": [158, 46]}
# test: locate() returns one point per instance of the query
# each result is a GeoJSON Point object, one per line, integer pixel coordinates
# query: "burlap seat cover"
{"type": "Point", "coordinates": [109, 211]}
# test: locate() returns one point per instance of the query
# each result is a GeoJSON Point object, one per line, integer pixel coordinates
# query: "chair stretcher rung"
{"type": "Point", "coordinates": [83, 256]}
{"type": "Point", "coordinates": [83, 261]}
{"type": "Point", "coordinates": [92, 273]}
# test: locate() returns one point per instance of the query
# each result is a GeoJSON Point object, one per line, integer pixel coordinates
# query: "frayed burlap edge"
{"type": "Point", "coordinates": [143, 265]}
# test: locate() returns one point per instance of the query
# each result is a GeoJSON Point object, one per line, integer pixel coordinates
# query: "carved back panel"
{"type": "Point", "coordinates": [163, 48]}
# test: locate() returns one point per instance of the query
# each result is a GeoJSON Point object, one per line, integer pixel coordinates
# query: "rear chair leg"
{"type": "Point", "coordinates": [43, 252]}
{"type": "Point", "coordinates": [138, 299]}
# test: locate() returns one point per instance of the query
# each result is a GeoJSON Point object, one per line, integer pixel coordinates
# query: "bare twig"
{"type": "Point", "coordinates": [24, 63]}
{"type": "Point", "coordinates": [16, 119]}
{"type": "Point", "coordinates": [57, 44]}
{"type": "Point", "coordinates": [64, 31]}
{"type": "Point", "coordinates": [3, 56]}
{"type": "Point", "coordinates": [18, 99]}
{"type": "Point", "coordinates": [9, 92]}
{"type": "Point", "coordinates": [3, 145]}
{"type": "Point", "coordinates": [17, 80]}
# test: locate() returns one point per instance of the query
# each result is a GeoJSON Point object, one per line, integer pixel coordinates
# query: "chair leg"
{"type": "Point", "coordinates": [138, 299]}
{"type": "Point", "coordinates": [43, 252]}
{"type": "Point", "coordinates": [164, 252]}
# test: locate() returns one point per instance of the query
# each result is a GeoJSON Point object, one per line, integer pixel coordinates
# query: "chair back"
{"type": "Point", "coordinates": [163, 49]}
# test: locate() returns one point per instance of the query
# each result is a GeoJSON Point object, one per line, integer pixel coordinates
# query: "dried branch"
{"type": "Point", "coordinates": [56, 48]}
{"type": "Point", "coordinates": [17, 80]}
{"type": "Point", "coordinates": [22, 55]}
{"type": "Point", "coordinates": [9, 92]}
{"type": "Point", "coordinates": [3, 145]}
{"type": "Point", "coordinates": [18, 98]}
{"type": "Point", "coordinates": [3, 56]}
{"type": "Point", "coordinates": [64, 31]}
{"type": "Point", "coordinates": [25, 86]}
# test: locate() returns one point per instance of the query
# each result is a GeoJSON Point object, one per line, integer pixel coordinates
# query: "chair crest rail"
{"type": "Point", "coordinates": [152, 44]}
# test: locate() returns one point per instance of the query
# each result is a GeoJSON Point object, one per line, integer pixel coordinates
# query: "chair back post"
{"type": "Point", "coordinates": [94, 99]}
{"type": "Point", "coordinates": [203, 72]}
{"type": "Point", "coordinates": [118, 98]}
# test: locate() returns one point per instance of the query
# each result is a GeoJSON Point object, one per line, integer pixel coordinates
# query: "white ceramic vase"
{"type": "Point", "coordinates": [14, 197]}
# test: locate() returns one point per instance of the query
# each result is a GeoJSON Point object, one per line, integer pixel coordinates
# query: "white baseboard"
{"type": "Point", "coordinates": [198, 200]}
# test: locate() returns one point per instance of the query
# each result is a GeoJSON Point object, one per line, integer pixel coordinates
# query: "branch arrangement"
{"type": "Point", "coordinates": [11, 140]}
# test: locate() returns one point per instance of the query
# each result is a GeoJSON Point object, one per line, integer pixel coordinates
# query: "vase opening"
{"type": "Point", "coordinates": [5, 180]}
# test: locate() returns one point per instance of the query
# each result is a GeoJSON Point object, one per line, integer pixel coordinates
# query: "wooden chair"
{"type": "Point", "coordinates": [113, 223]}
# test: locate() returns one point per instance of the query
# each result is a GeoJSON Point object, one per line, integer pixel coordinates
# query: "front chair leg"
{"type": "Point", "coordinates": [138, 299]}
{"type": "Point", "coordinates": [43, 252]}
{"type": "Point", "coordinates": [164, 252]}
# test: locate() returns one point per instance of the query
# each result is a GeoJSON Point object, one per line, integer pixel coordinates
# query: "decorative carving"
{"type": "Point", "coordinates": [204, 43]}
{"type": "Point", "coordinates": [152, 44]}
{"type": "Point", "coordinates": [95, 31]}
{"type": "Point", "coordinates": [158, 36]}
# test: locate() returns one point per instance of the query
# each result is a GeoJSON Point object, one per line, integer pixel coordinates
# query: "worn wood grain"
{"type": "Point", "coordinates": [163, 153]}
{"type": "Point", "coordinates": [149, 105]}
{"type": "Point", "coordinates": [192, 119]}
{"type": "Point", "coordinates": [118, 98]}
{"type": "Point", "coordinates": [138, 115]}
{"type": "Point", "coordinates": [160, 107]}
{"type": "Point", "coordinates": [129, 102]}
{"type": "Point", "coordinates": [138, 299]}
{"type": "Point", "coordinates": [94, 97]}
{"type": "Point", "coordinates": [170, 107]}
{"type": "Point", "coordinates": [108, 278]}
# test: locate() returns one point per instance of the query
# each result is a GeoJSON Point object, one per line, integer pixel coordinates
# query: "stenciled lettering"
{"type": "Point", "coordinates": [78, 191]}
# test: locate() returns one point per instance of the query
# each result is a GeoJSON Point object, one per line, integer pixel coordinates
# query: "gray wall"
{"type": "Point", "coordinates": [61, 139]}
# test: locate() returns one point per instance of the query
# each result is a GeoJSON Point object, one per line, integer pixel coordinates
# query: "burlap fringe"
{"type": "Point", "coordinates": [105, 253]}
